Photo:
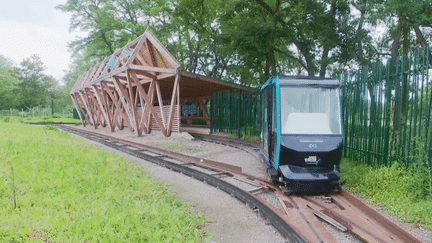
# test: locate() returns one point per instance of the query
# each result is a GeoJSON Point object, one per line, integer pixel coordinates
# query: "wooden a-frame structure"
{"type": "Point", "coordinates": [138, 87]}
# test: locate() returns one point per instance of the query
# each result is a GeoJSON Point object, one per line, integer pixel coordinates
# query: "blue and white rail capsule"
{"type": "Point", "coordinates": [301, 131]}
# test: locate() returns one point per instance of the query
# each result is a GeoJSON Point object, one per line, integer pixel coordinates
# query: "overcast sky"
{"type": "Point", "coordinates": [35, 27]}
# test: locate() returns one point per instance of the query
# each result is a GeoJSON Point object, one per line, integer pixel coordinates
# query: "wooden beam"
{"type": "Point", "coordinates": [126, 103]}
{"type": "Point", "coordinates": [153, 69]}
{"type": "Point", "coordinates": [151, 50]}
{"type": "Point", "coordinates": [85, 79]}
{"type": "Point", "coordinates": [85, 113]}
{"type": "Point", "coordinates": [160, 101]}
{"type": "Point", "coordinates": [102, 106]}
{"type": "Point", "coordinates": [144, 122]}
{"type": "Point", "coordinates": [162, 60]}
{"type": "Point", "coordinates": [140, 59]}
{"type": "Point", "coordinates": [76, 84]}
{"type": "Point", "coordinates": [110, 111]}
{"type": "Point", "coordinates": [165, 75]}
{"type": "Point", "coordinates": [178, 102]}
{"type": "Point", "coordinates": [146, 74]}
{"type": "Point", "coordinates": [119, 61]}
{"type": "Point", "coordinates": [119, 112]}
{"type": "Point", "coordinates": [173, 99]}
{"type": "Point", "coordinates": [148, 121]}
{"type": "Point", "coordinates": [100, 68]}
{"type": "Point", "coordinates": [162, 49]}
{"type": "Point", "coordinates": [150, 105]}
{"type": "Point", "coordinates": [87, 106]}
{"type": "Point", "coordinates": [133, 103]}
{"type": "Point", "coordinates": [94, 70]}
{"type": "Point", "coordinates": [104, 77]}
{"type": "Point", "coordinates": [92, 107]}
{"type": "Point", "coordinates": [136, 49]}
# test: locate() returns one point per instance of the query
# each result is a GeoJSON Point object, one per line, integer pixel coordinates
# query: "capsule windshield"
{"type": "Point", "coordinates": [310, 110]}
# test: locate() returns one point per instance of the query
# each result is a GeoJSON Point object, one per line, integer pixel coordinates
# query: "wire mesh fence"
{"type": "Point", "coordinates": [37, 112]}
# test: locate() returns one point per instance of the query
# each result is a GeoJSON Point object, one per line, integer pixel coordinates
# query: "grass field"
{"type": "Point", "coordinates": [405, 192]}
{"type": "Point", "coordinates": [45, 119]}
{"type": "Point", "coordinates": [57, 188]}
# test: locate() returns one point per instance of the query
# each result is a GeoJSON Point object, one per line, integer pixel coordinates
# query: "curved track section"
{"type": "Point", "coordinates": [342, 210]}
{"type": "Point", "coordinates": [265, 209]}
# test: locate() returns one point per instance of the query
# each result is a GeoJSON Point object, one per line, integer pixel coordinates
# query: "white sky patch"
{"type": "Point", "coordinates": [20, 41]}
{"type": "Point", "coordinates": [36, 27]}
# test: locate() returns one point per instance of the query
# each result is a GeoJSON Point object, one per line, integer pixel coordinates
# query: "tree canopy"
{"type": "Point", "coordinates": [25, 86]}
{"type": "Point", "coordinates": [8, 83]}
{"type": "Point", "coordinates": [248, 41]}
{"type": "Point", "coordinates": [239, 41]}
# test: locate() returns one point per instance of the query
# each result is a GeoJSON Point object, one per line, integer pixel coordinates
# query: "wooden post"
{"type": "Point", "coordinates": [147, 116]}
{"type": "Point", "coordinates": [173, 102]}
{"type": "Point", "coordinates": [204, 109]}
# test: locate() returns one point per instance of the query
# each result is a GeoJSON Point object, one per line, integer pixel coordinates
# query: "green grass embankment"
{"type": "Point", "coordinates": [56, 188]}
{"type": "Point", "coordinates": [403, 191]}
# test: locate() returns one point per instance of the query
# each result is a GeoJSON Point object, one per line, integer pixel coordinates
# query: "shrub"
{"type": "Point", "coordinates": [420, 179]}
{"type": "Point", "coordinates": [400, 189]}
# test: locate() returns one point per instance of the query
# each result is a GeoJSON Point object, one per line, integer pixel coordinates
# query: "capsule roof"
{"type": "Point", "coordinates": [301, 81]}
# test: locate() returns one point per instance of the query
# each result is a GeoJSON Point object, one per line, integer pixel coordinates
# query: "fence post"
{"type": "Point", "coordinates": [52, 107]}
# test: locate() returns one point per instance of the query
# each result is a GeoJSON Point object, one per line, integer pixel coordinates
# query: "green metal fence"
{"type": "Point", "coordinates": [387, 110]}
{"type": "Point", "coordinates": [235, 112]}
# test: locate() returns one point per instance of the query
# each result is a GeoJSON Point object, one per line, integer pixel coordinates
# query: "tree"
{"type": "Point", "coordinates": [111, 23]}
{"type": "Point", "coordinates": [322, 31]}
{"type": "Point", "coordinates": [405, 22]}
{"type": "Point", "coordinates": [198, 44]}
{"type": "Point", "coordinates": [34, 88]}
{"type": "Point", "coordinates": [8, 83]}
{"type": "Point", "coordinates": [248, 41]}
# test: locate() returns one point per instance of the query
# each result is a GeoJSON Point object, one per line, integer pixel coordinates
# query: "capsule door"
{"type": "Point", "coordinates": [268, 127]}
{"type": "Point", "coordinates": [272, 125]}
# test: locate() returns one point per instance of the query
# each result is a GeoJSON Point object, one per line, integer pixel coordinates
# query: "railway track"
{"type": "Point", "coordinates": [342, 210]}
{"type": "Point", "coordinates": [297, 217]}
{"type": "Point", "coordinates": [200, 169]}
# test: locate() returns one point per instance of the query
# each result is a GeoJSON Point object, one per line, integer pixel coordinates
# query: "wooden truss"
{"type": "Point", "coordinates": [125, 89]}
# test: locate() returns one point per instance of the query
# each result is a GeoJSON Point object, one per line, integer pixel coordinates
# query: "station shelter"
{"type": "Point", "coordinates": [143, 87]}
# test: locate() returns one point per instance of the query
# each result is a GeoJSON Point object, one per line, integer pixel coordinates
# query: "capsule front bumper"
{"type": "Point", "coordinates": [306, 174]}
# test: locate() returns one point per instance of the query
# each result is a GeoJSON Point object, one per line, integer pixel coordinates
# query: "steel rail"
{"type": "Point", "coordinates": [266, 210]}
{"type": "Point", "coordinates": [369, 234]}
{"type": "Point", "coordinates": [199, 162]}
